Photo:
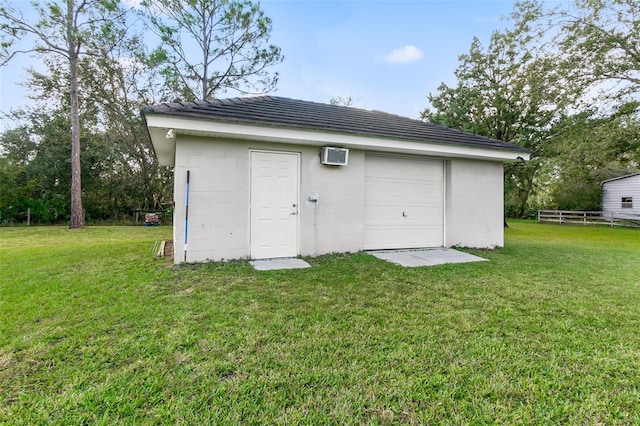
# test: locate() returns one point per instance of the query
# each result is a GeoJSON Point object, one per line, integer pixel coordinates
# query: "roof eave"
{"type": "Point", "coordinates": [618, 178]}
{"type": "Point", "coordinates": [160, 124]}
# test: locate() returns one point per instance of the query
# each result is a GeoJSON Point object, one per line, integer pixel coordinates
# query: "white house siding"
{"type": "Point", "coordinates": [219, 208]}
{"type": "Point", "coordinates": [614, 190]}
{"type": "Point", "coordinates": [474, 204]}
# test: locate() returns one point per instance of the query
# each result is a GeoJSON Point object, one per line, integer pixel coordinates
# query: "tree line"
{"type": "Point", "coordinates": [561, 80]}
{"type": "Point", "coordinates": [95, 71]}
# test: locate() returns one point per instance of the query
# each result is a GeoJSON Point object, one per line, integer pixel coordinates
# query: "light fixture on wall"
{"type": "Point", "coordinates": [169, 134]}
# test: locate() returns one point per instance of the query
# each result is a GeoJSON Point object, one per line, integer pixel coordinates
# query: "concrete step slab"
{"type": "Point", "coordinates": [425, 257]}
{"type": "Point", "coordinates": [280, 263]}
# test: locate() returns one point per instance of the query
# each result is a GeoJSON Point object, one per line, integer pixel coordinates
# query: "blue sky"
{"type": "Point", "coordinates": [345, 48]}
{"type": "Point", "coordinates": [387, 55]}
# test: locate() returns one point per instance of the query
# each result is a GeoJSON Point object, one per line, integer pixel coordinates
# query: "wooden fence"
{"type": "Point", "coordinates": [588, 218]}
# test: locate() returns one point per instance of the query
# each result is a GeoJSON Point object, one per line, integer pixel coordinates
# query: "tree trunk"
{"type": "Point", "coordinates": [525, 198]}
{"type": "Point", "coordinates": [77, 216]}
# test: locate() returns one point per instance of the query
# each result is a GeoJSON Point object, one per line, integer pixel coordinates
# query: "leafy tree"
{"type": "Point", "coordinates": [38, 160]}
{"type": "Point", "coordinates": [211, 46]}
{"type": "Point", "coordinates": [120, 171]}
{"type": "Point", "coordinates": [124, 82]}
{"type": "Point", "coordinates": [510, 92]}
{"type": "Point", "coordinates": [589, 148]}
{"type": "Point", "coordinates": [600, 40]}
{"type": "Point", "coordinates": [70, 29]}
{"type": "Point", "coordinates": [14, 158]}
{"type": "Point", "coordinates": [562, 82]}
{"type": "Point", "coordinates": [339, 100]}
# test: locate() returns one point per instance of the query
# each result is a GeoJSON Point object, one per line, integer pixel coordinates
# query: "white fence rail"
{"type": "Point", "coordinates": [588, 218]}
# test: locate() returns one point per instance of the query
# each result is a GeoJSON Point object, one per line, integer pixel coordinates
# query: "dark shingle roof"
{"type": "Point", "coordinates": [292, 113]}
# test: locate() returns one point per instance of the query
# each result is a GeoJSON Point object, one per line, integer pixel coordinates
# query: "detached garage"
{"type": "Point", "coordinates": [267, 177]}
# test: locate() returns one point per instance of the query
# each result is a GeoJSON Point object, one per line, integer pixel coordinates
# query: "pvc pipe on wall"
{"type": "Point", "coordinates": [186, 218]}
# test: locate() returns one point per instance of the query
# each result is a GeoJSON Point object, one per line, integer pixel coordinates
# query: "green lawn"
{"type": "Point", "coordinates": [94, 329]}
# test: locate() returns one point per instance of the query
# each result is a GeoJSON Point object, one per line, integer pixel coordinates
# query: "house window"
{"type": "Point", "coordinates": [627, 202]}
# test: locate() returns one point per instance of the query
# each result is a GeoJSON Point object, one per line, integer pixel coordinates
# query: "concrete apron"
{"type": "Point", "coordinates": [280, 263]}
{"type": "Point", "coordinates": [425, 257]}
{"type": "Point", "coordinates": [407, 258]}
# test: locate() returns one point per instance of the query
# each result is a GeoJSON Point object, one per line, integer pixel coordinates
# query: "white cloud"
{"type": "Point", "coordinates": [403, 55]}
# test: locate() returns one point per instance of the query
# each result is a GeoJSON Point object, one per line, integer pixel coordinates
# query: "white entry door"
{"type": "Point", "coordinates": [404, 202]}
{"type": "Point", "coordinates": [274, 204]}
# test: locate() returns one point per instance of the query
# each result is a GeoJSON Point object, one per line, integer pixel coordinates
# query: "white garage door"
{"type": "Point", "coordinates": [404, 203]}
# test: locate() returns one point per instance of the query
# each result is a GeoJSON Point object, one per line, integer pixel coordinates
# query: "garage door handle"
{"type": "Point", "coordinates": [404, 214]}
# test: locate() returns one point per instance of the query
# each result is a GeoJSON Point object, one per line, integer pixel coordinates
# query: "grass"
{"type": "Point", "coordinates": [94, 329]}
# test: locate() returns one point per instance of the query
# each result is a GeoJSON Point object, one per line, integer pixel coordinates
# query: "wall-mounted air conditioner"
{"type": "Point", "coordinates": [333, 156]}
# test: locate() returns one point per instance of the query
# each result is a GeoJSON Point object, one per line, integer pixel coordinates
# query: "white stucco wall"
{"type": "Point", "coordinates": [218, 207]}
{"type": "Point", "coordinates": [334, 223]}
{"type": "Point", "coordinates": [474, 204]}
{"type": "Point", "coordinates": [219, 222]}
{"type": "Point", "coordinates": [219, 200]}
